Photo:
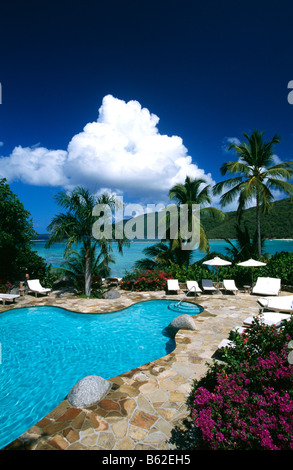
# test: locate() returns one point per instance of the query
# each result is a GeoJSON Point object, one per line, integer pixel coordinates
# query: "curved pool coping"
{"type": "Point", "coordinates": [143, 405]}
{"type": "Point", "coordinates": [18, 307]}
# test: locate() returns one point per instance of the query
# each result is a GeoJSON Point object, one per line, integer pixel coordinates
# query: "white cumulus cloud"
{"type": "Point", "coordinates": [34, 165]}
{"type": "Point", "coordinates": [122, 151]}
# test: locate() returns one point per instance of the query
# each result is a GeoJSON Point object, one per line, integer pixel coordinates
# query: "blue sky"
{"type": "Point", "coordinates": [131, 96]}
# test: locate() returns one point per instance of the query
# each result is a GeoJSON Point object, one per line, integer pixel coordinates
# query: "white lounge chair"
{"type": "Point", "coordinates": [9, 297]}
{"type": "Point", "coordinates": [35, 286]}
{"type": "Point", "coordinates": [279, 304]}
{"type": "Point", "coordinates": [229, 285]}
{"type": "Point", "coordinates": [192, 286]}
{"type": "Point", "coordinates": [226, 343]}
{"type": "Point", "coordinates": [173, 285]}
{"type": "Point", "coordinates": [268, 318]}
{"type": "Point", "coordinates": [267, 286]}
{"type": "Point", "coordinates": [207, 285]}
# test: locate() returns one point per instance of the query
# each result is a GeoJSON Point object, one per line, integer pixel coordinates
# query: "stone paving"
{"type": "Point", "coordinates": [145, 404]}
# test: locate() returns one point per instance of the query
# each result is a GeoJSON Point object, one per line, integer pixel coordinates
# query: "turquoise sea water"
{"type": "Point", "coordinates": [126, 261]}
{"type": "Point", "coordinates": [46, 350]}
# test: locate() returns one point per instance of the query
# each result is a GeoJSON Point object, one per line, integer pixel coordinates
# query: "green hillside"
{"type": "Point", "coordinates": [278, 223]}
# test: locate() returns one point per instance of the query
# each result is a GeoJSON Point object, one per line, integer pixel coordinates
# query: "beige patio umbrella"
{"type": "Point", "coordinates": [252, 263]}
{"type": "Point", "coordinates": [217, 261]}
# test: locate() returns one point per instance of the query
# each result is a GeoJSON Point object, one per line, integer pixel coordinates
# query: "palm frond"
{"type": "Point", "coordinates": [230, 183]}
{"type": "Point", "coordinates": [178, 193]}
{"type": "Point", "coordinates": [145, 264]}
{"type": "Point", "coordinates": [235, 167]}
{"type": "Point", "coordinates": [284, 173]}
{"type": "Point", "coordinates": [228, 197]}
{"type": "Point", "coordinates": [281, 185]}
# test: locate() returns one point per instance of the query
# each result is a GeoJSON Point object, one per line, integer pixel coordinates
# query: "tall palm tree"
{"type": "Point", "coordinates": [75, 226]}
{"type": "Point", "coordinates": [193, 192]}
{"type": "Point", "coordinates": [254, 176]}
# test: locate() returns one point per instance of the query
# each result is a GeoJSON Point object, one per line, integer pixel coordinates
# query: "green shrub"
{"type": "Point", "coordinates": [30, 262]}
{"type": "Point", "coordinates": [280, 265]}
{"type": "Point", "coordinates": [193, 272]}
{"type": "Point", "coordinates": [258, 340]}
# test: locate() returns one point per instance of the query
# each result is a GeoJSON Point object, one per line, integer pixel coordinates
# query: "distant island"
{"type": "Point", "coordinates": [277, 224]}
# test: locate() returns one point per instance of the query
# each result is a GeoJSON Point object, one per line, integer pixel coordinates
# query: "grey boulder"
{"type": "Point", "coordinates": [182, 321]}
{"type": "Point", "coordinates": [88, 391]}
{"type": "Point", "coordinates": [112, 294]}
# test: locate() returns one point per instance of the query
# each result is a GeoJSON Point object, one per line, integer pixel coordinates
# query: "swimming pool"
{"type": "Point", "coordinates": [46, 350]}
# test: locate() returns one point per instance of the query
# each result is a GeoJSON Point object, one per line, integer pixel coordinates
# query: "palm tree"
{"type": "Point", "coordinates": [255, 175]}
{"type": "Point", "coordinates": [192, 192]}
{"type": "Point", "coordinates": [75, 226]}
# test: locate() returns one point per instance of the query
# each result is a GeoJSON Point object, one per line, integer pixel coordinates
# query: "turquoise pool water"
{"type": "Point", "coordinates": [46, 350]}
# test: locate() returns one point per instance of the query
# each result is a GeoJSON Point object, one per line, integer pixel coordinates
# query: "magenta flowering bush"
{"type": "Point", "coordinates": [244, 402]}
{"type": "Point", "coordinates": [248, 409]}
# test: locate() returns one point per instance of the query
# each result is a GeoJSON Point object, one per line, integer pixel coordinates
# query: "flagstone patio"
{"type": "Point", "coordinates": [145, 404]}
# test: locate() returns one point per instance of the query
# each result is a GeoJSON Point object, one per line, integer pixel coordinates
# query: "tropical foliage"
{"type": "Point", "coordinates": [244, 247]}
{"type": "Point", "coordinates": [16, 233]}
{"type": "Point", "coordinates": [73, 266]}
{"type": "Point", "coordinates": [162, 255]}
{"type": "Point", "coordinates": [280, 265]}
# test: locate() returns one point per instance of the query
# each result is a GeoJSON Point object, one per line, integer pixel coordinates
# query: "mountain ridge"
{"type": "Point", "coordinates": [276, 224]}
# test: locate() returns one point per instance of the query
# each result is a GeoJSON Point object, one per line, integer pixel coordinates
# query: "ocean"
{"type": "Point", "coordinates": [125, 262]}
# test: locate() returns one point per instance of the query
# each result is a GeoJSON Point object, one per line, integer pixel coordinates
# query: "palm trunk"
{"type": "Point", "coordinates": [88, 273]}
{"type": "Point", "coordinates": [258, 226]}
